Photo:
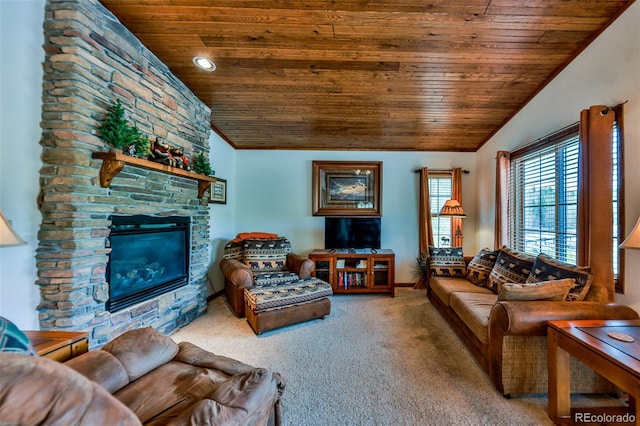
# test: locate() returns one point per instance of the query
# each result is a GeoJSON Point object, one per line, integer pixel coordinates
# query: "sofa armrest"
{"type": "Point", "coordinates": [301, 265]}
{"type": "Point", "coordinates": [244, 399]}
{"type": "Point", "coordinates": [194, 355]}
{"type": "Point", "coordinates": [236, 273]}
{"type": "Point", "coordinates": [38, 391]}
{"type": "Point", "coordinates": [237, 277]}
{"type": "Point", "coordinates": [529, 318]}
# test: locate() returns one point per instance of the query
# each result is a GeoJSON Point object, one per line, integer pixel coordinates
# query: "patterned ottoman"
{"type": "Point", "coordinates": [270, 306]}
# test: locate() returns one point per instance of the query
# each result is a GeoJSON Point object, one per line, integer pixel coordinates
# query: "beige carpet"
{"type": "Point", "coordinates": [375, 360]}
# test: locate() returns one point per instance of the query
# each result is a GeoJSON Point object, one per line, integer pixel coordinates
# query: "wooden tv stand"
{"type": "Point", "coordinates": [356, 270]}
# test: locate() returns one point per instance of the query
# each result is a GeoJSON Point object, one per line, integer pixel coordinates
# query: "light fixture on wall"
{"type": "Point", "coordinates": [452, 208]}
{"type": "Point", "coordinates": [633, 239]}
{"type": "Point", "coordinates": [9, 237]}
{"type": "Point", "coordinates": [205, 64]}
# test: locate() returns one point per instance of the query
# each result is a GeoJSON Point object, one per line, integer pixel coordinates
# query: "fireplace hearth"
{"type": "Point", "coordinates": [149, 257]}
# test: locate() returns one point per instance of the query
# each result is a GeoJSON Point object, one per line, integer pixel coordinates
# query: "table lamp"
{"type": "Point", "coordinates": [452, 208]}
{"type": "Point", "coordinates": [633, 239]}
{"type": "Point", "coordinates": [9, 237]}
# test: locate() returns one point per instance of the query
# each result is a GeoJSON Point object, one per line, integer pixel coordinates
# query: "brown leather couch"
{"type": "Point", "coordinates": [141, 377]}
{"type": "Point", "coordinates": [508, 338]}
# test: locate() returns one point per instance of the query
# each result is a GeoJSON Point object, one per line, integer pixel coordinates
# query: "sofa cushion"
{"type": "Point", "coordinates": [545, 290]}
{"type": "Point", "coordinates": [234, 250]}
{"type": "Point", "coordinates": [546, 268]}
{"type": "Point", "coordinates": [480, 266]}
{"type": "Point", "coordinates": [266, 254]}
{"type": "Point", "coordinates": [263, 278]}
{"type": "Point", "coordinates": [443, 287]}
{"type": "Point", "coordinates": [270, 296]}
{"type": "Point", "coordinates": [510, 267]}
{"type": "Point", "coordinates": [101, 367]}
{"type": "Point", "coordinates": [474, 310]}
{"type": "Point", "coordinates": [179, 386]}
{"type": "Point", "coordinates": [447, 262]}
{"type": "Point", "coordinates": [142, 350]}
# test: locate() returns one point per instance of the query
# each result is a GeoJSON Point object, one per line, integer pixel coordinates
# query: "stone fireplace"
{"type": "Point", "coordinates": [90, 60]}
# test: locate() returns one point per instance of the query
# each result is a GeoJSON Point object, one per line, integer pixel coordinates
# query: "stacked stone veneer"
{"type": "Point", "coordinates": [90, 60]}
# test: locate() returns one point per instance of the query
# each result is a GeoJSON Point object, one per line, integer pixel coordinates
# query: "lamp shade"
{"type": "Point", "coordinates": [8, 237]}
{"type": "Point", "coordinates": [452, 208]}
{"type": "Point", "coordinates": [633, 239]}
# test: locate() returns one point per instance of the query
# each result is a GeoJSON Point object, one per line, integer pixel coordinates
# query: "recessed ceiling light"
{"type": "Point", "coordinates": [204, 63]}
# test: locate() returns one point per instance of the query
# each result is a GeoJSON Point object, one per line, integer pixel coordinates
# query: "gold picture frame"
{"type": "Point", "coordinates": [347, 188]}
{"type": "Point", "coordinates": [218, 191]}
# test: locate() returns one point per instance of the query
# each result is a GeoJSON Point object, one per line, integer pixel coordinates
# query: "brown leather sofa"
{"type": "Point", "coordinates": [238, 275]}
{"type": "Point", "coordinates": [141, 377]}
{"type": "Point", "coordinates": [508, 338]}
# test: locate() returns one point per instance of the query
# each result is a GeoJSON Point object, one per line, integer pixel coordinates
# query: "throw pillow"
{"type": "Point", "coordinates": [556, 290]}
{"type": "Point", "coordinates": [12, 339]}
{"type": "Point", "coordinates": [480, 267]}
{"type": "Point", "coordinates": [447, 262]}
{"type": "Point", "coordinates": [233, 250]}
{"type": "Point", "coordinates": [253, 235]}
{"type": "Point", "coordinates": [266, 255]}
{"type": "Point", "coordinates": [546, 268]}
{"type": "Point", "coordinates": [510, 267]}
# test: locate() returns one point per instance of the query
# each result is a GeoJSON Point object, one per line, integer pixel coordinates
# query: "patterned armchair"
{"type": "Point", "coordinates": [259, 258]}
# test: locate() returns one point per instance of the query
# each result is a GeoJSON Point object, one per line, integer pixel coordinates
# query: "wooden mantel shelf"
{"type": "Point", "coordinates": [113, 163]}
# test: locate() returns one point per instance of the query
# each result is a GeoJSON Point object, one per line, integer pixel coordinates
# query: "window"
{"type": "Point", "coordinates": [440, 190]}
{"type": "Point", "coordinates": [544, 196]}
{"type": "Point", "coordinates": [618, 198]}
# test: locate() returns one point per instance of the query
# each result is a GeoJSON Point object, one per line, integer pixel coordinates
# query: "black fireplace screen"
{"type": "Point", "coordinates": [149, 257]}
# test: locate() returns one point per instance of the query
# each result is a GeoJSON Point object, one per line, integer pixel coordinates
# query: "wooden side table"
{"type": "Point", "coordinates": [589, 342]}
{"type": "Point", "coordinates": [59, 345]}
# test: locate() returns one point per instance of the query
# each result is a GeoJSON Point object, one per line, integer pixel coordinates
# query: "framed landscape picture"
{"type": "Point", "coordinates": [218, 192]}
{"type": "Point", "coordinates": [347, 188]}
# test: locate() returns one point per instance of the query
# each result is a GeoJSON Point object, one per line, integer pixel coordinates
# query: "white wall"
{"type": "Point", "coordinates": [273, 191]}
{"type": "Point", "coordinates": [222, 224]}
{"type": "Point", "coordinates": [21, 56]}
{"type": "Point", "coordinates": [606, 73]}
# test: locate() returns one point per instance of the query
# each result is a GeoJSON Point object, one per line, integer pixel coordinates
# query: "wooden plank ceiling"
{"type": "Point", "coordinates": [365, 75]}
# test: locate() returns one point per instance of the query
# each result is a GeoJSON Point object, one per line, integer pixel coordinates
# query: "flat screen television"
{"type": "Point", "coordinates": [352, 232]}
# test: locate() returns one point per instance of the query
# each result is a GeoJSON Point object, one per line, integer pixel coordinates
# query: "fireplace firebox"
{"type": "Point", "coordinates": [149, 257]}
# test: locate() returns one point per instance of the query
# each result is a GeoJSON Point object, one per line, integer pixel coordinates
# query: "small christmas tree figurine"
{"type": "Point", "coordinates": [201, 165]}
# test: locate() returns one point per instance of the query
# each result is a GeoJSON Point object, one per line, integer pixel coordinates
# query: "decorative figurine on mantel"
{"type": "Point", "coordinates": [182, 162]}
{"type": "Point", "coordinates": [131, 150]}
{"type": "Point", "coordinates": [160, 153]}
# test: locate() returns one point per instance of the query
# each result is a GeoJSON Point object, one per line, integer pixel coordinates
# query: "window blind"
{"type": "Point", "coordinates": [544, 196]}
{"type": "Point", "coordinates": [615, 181]}
{"type": "Point", "coordinates": [440, 190]}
